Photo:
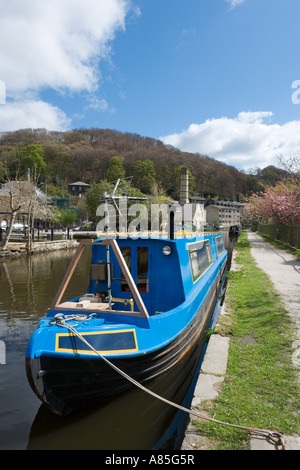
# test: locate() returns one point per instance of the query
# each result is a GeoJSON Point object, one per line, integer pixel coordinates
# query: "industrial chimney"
{"type": "Point", "coordinates": [184, 186]}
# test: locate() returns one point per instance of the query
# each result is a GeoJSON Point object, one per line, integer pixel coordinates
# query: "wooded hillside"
{"type": "Point", "coordinates": [86, 155]}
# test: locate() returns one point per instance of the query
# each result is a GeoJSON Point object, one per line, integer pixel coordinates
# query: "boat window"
{"type": "Point", "coordinates": [220, 245]}
{"type": "Point", "coordinates": [142, 269]}
{"type": "Point", "coordinates": [194, 264]}
{"type": "Point", "coordinates": [204, 256]}
{"type": "Point", "coordinates": [200, 259]}
{"type": "Point", "coordinates": [126, 252]}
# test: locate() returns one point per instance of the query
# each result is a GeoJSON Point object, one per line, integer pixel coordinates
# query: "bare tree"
{"type": "Point", "coordinates": [22, 197]}
{"type": "Point", "coordinates": [11, 204]}
{"type": "Point", "coordinates": [291, 164]}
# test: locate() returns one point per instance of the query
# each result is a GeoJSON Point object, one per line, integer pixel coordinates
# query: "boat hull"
{"type": "Point", "coordinates": [65, 384]}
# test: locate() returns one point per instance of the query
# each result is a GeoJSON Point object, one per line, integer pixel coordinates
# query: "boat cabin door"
{"type": "Point", "coordinates": [138, 259]}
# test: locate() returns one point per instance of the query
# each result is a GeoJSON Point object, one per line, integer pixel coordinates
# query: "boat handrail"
{"type": "Point", "coordinates": [145, 234]}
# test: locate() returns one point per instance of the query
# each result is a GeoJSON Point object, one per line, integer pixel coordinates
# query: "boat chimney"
{"type": "Point", "coordinates": [171, 224]}
{"type": "Point", "coordinates": [184, 186]}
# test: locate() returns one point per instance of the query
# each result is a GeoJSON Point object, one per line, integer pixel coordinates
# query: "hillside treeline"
{"type": "Point", "coordinates": [87, 155]}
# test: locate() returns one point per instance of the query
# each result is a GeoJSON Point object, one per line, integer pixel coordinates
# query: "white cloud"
{"type": "Point", "coordinates": [234, 3]}
{"type": "Point", "coordinates": [98, 104]}
{"type": "Point", "coordinates": [32, 114]}
{"type": "Point", "coordinates": [55, 44]}
{"type": "Point", "coordinates": [250, 140]}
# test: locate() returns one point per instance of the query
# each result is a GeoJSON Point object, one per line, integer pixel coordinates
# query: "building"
{"type": "Point", "coordinates": [78, 189]}
{"type": "Point", "coordinates": [223, 214]}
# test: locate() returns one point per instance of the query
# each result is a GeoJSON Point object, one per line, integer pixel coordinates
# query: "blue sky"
{"type": "Point", "coordinates": [207, 76]}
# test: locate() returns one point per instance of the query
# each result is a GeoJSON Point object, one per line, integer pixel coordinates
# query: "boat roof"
{"type": "Point", "coordinates": [163, 236]}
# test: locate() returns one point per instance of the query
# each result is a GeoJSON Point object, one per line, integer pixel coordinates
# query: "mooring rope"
{"type": "Point", "coordinates": [275, 437]}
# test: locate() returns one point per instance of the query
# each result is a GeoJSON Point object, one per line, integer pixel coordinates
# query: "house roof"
{"type": "Point", "coordinates": [79, 183]}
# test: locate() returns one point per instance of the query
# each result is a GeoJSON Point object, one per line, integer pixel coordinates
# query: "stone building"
{"type": "Point", "coordinates": [223, 214]}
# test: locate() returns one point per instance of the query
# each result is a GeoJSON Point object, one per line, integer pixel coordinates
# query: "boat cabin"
{"type": "Point", "coordinates": [153, 264]}
{"type": "Point", "coordinates": [144, 277]}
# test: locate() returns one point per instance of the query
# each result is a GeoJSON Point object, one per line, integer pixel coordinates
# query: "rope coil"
{"type": "Point", "coordinates": [275, 437]}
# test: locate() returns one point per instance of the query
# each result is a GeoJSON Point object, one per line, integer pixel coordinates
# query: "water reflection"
{"type": "Point", "coordinates": [27, 287]}
{"type": "Point", "coordinates": [132, 421]}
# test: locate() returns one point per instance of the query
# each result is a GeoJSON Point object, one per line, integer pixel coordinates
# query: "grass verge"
{"type": "Point", "coordinates": [282, 246]}
{"type": "Point", "coordinates": [260, 389]}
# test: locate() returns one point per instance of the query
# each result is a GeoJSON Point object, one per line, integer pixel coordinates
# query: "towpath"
{"type": "Point", "coordinates": [284, 271]}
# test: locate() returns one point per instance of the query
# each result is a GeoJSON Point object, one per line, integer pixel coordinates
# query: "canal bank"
{"type": "Point", "coordinates": [15, 249]}
{"type": "Point", "coordinates": [214, 365]}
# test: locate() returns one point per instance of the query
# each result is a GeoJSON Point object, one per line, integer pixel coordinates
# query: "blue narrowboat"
{"type": "Point", "coordinates": [149, 302]}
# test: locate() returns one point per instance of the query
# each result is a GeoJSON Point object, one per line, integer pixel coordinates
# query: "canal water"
{"type": "Point", "coordinates": [132, 421]}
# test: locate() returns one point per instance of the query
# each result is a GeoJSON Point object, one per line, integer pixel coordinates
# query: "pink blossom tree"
{"type": "Point", "coordinates": [278, 205]}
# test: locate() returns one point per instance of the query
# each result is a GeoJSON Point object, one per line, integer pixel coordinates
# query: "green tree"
{"type": "Point", "coordinates": [32, 157]}
{"type": "Point", "coordinates": [116, 170]}
{"type": "Point", "coordinates": [148, 168]}
{"type": "Point", "coordinates": [9, 160]}
{"type": "Point", "coordinates": [56, 191]}
{"type": "Point", "coordinates": [144, 176]}
{"type": "Point", "coordinates": [95, 196]}
{"type": "Point", "coordinates": [67, 217]}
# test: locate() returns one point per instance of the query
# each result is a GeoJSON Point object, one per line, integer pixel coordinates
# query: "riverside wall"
{"type": "Point", "coordinates": [15, 249]}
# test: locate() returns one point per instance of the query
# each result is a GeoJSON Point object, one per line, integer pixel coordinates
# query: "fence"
{"type": "Point", "coordinates": [289, 234]}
